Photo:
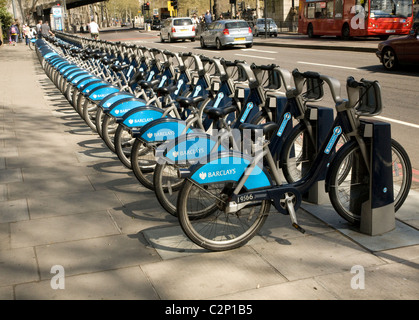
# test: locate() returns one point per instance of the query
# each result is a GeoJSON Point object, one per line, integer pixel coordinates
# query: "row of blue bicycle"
{"type": "Point", "coordinates": [221, 141]}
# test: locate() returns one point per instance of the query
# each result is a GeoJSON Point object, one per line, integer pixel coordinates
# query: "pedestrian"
{"type": "Point", "coordinates": [208, 17]}
{"type": "Point", "coordinates": [221, 17]}
{"type": "Point", "coordinates": [14, 32]}
{"type": "Point", "coordinates": [195, 20]}
{"type": "Point", "coordinates": [26, 31]}
{"type": "Point", "coordinates": [38, 29]}
{"type": "Point", "coordinates": [94, 29]}
{"type": "Point", "coordinates": [45, 30]}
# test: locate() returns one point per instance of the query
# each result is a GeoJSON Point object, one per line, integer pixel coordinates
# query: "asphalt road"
{"type": "Point", "coordinates": [399, 88]}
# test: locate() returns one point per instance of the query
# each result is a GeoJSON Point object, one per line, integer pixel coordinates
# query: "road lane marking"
{"type": "Point", "coordinates": [416, 126]}
{"type": "Point", "coordinates": [208, 50]}
{"type": "Point", "coordinates": [257, 57]}
{"type": "Point", "coordinates": [173, 45]}
{"type": "Point", "coordinates": [257, 50]}
{"type": "Point", "coordinates": [326, 65]}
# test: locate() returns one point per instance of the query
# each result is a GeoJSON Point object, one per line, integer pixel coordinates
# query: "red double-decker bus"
{"type": "Point", "coordinates": [355, 18]}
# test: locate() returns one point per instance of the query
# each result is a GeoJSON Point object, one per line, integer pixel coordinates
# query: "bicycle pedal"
{"type": "Point", "coordinates": [299, 228]}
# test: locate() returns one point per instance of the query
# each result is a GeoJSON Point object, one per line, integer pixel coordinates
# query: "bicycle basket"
{"type": "Point", "coordinates": [369, 103]}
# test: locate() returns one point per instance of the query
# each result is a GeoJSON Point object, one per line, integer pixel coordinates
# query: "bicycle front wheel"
{"type": "Point", "coordinates": [348, 192]}
{"type": "Point", "coordinates": [203, 218]}
{"type": "Point", "coordinates": [167, 185]}
{"type": "Point", "coordinates": [143, 162]}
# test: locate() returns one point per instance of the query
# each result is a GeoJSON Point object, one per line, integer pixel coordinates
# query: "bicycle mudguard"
{"type": "Point", "coordinates": [68, 68]}
{"type": "Point", "coordinates": [188, 148]}
{"type": "Point", "coordinates": [140, 116]}
{"type": "Point", "coordinates": [119, 109]}
{"type": "Point", "coordinates": [92, 85]}
{"type": "Point", "coordinates": [100, 92]}
{"type": "Point", "coordinates": [107, 102]}
{"type": "Point", "coordinates": [229, 167]}
{"type": "Point", "coordinates": [85, 82]}
{"type": "Point", "coordinates": [76, 78]}
{"type": "Point", "coordinates": [70, 74]}
{"type": "Point", "coordinates": [162, 130]}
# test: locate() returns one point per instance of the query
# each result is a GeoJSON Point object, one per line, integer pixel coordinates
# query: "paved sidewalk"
{"type": "Point", "coordinates": [67, 202]}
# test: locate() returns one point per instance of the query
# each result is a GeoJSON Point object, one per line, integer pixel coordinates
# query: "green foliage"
{"type": "Point", "coordinates": [6, 18]}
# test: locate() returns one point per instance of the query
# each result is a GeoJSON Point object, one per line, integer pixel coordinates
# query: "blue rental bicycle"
{"type": "Point", "coordinates": [224, 202]}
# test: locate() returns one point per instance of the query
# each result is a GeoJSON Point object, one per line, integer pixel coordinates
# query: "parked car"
{"type": "Point", "coordinates": [177, 29]}
{"type": "Point", "coordinates": [224, 33]}
{"type": "Point", "coordinates": [259, 28]}
{"type": "Point", "coordinates": [400, 50]}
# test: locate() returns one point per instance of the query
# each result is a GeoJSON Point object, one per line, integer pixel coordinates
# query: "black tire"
{"type": "Point", "coordinates": [296, 155]}
{"type": "Point", "coordinates": [346, 32]}
{"type": "Point", "coordinates": [89, 114]}
{"type": "Point", "coordinates": [123, 142]}
{"type": "Point", "coordinates": [143, 163]}
{"type": "Point", "coordinates": [218, 44]}
{"type": "Point", "coordinates": [389, 59]}
{"type": "Point", "coordinates": [109, 126]}
{"type": "Point", "coordinates": [249, 45]}
{"type": "Point", "coordinates": [167, 185]}
{"type": "Point", "coordinates": [99, 120]}
{"type": "Point", "coordinates": [342, 191]}
{"type": "Point", "coordinates": [205, 222]}
{"type": "Point", "coordinates": [201, 40]}
{"type": "Point", "coordinates": [310, 31]}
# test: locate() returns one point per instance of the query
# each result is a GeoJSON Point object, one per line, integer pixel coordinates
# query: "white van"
{"type": "Point", "coordinates": [177, 29]}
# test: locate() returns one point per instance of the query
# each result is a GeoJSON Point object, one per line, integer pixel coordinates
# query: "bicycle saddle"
{"type": "Point", "coordinates": [163, 91]}
{"type": "Point", "coordinates": [267, 128]}
{"type": "Point", "coordinates": [148, 84]}
{"type": "Point", "coordinates": [187, 102]}
{"type": "Point", "coordinates": [217, 113]}
{"type": "Point", "coordinates": [119, 67]}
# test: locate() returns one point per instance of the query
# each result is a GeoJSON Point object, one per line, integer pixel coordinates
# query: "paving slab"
{"type": "Point", "coordinates": [93, 255]}
{"type": "Point", "coordinates": [6, 293]}
{"type": "Point", "coordinates": [71, 203]}
{"type": "Point", "coordinates": [10, 175]}
{"type": "Point", "coordinates": [306, 289]}
{"type": "Point", "coordinates": [62, 228]}
{"type": "Point", "coordinates": [205, 276]}
{"type": "Point", "coordinates": [42, 187]}
{"type": "Point", "coordinates": [18, 266]}
{"type": "Point", "coordinates": [402, 235]}
{"type": "Point", "coordinates": [14, 210]}
{"type": "Point", "coordinates": [384, 282]}
{"type": "Point", "coordinates": [121, 284]}
{"type": "Point", "coordinates": [315, 255]}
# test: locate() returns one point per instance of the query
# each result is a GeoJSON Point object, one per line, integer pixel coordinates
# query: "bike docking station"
{"type": "Point", "coordinates": [372, 200]}
{"type": "Point", "coordinates": [376, 205]}
{"type": "Point", "coordinates": [321, 120]}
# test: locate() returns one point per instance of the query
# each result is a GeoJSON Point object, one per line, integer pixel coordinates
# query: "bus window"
{"type": "Point", "coordinates": [339, 9]}
{"type": "Point", "coordinates": [310, 10]}
{"type": "Point", "coordinates": [330, 6]}
{"type": "Point", "coordinates": [320, 10]}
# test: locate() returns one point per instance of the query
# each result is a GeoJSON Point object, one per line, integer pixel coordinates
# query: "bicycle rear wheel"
{"type": "Point", "coordinates": [202, 216]}
{"type": "Point", "coordinates": [347, 192]}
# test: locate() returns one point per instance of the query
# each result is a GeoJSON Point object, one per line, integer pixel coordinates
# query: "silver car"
{"type": "Point", "coordinates": [224, 33]}
{"type": "Point", "coordinates": [259, 28]}
{"type": "Point", "coordinates": [177, 29]}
